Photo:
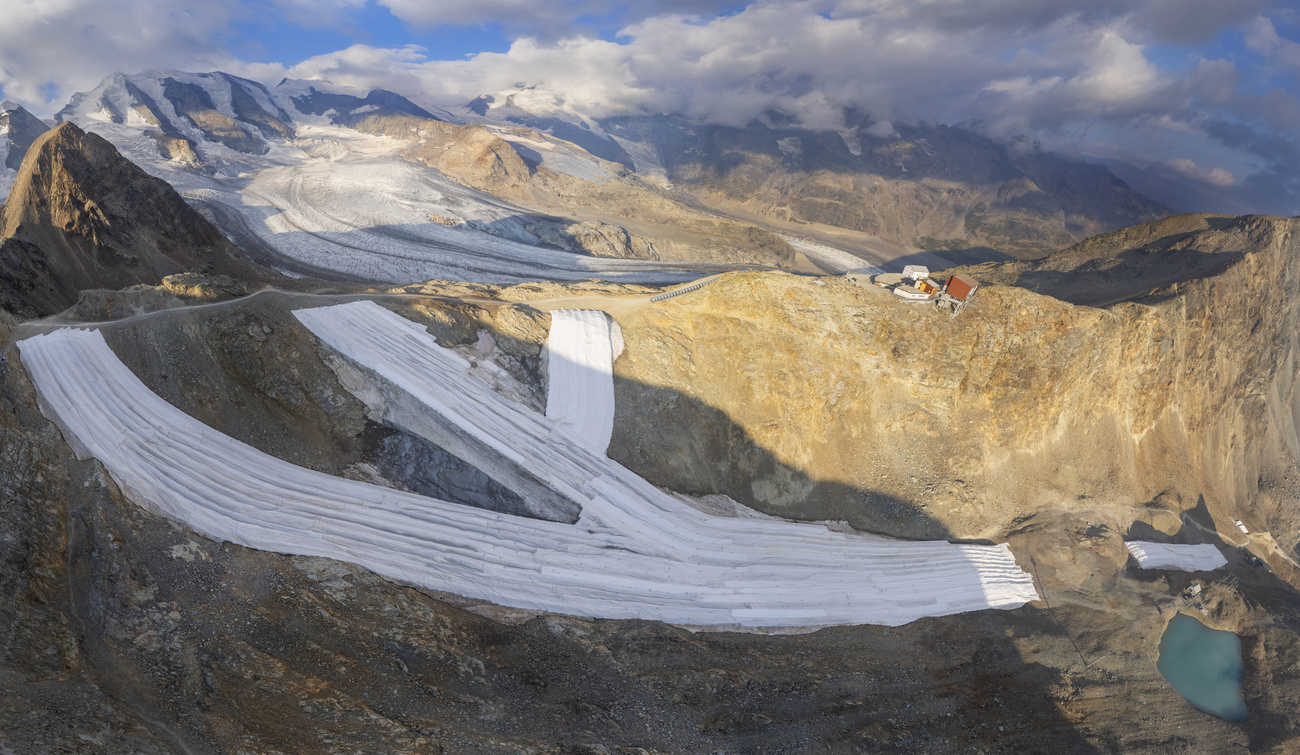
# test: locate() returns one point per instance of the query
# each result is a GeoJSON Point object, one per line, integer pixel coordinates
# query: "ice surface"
{"type": "Point", "coordinates": [1203, 557]}
{"type": "Point", "coordinates": [557, 155]}
{"type": "Point", "coordinates": [580, 376]}
{"type": "Point", "coordinates": [337, 203]}
{"type": "Point", "coordinates": [829, 258]}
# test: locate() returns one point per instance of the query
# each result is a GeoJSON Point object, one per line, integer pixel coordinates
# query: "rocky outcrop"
{"type": "Point", "coordinates": [594, 238]}
{"type": "Point", "coordinates": [178, 150]}
{"type": "Point", "coordinates": [81, 216]}
{"type": "Point", "coordinates": [834, 401]}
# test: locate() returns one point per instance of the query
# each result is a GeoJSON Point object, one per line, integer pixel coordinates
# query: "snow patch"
{"type": "Point", "coordinates": [828, 258]}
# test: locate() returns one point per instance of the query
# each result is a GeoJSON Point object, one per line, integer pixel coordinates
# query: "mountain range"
{"type": "Point", "coordinates": [1137, 385]}
{"type": "Point", "coordinates": [574, 195]}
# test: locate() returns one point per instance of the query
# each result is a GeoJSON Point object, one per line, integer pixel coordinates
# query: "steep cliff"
{"type": "Point", "coordinates": [81, 216]}
{"type": "Point", "coordinates": [845, 402]}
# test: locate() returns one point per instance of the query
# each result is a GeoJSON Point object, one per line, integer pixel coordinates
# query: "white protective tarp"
{"type": "Point", "coordinates": [635, 553]}
{"type": "Point", "coordinates": [580, 376]}
{"type": "Point", "coordinates": [1203, 557]}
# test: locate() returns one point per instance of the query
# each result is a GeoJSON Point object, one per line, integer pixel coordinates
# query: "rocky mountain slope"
{"type": "Point", "coordinates": [1063, 429]}
{"type": "Point", "coordinates": [935, 187]}
{"type": "Point", "coordinates": [928, 186]}
{"type": "Point", "coordinates": [81, 216]}
{"type": "Point", "coordinates": [849, 401]}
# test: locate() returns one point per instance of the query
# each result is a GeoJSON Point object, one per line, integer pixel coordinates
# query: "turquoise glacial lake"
{"type": "Point", "coordinates": [1204, 665]}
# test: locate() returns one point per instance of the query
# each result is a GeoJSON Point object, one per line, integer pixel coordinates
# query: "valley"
{"type": "Point", "coordinates": [345, 423]}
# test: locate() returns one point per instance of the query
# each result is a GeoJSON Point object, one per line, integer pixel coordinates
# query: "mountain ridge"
{"type": "Point", "coordinates": [81, 216]}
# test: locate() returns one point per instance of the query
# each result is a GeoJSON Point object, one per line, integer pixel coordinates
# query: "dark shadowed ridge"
{"type": "Point", "coordinates": [81, 216]}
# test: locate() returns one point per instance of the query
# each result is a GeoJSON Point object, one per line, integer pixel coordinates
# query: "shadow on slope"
{"type": "Point", "coordinates": [1143, 263]}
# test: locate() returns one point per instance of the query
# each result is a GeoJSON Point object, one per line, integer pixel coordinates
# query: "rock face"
{"type": "Point", "coordinates": [594, 238]}
{"type": "Point", "coordinates": [168, 641]}
{"type": "Point", "coordinates": [936, 187]}
{"type": "Point", "coordinates": [18, 129]}
{"type": "Point", "coordinates": [81, 216]}
{"type": "Point", "coordinates": [834, 401]}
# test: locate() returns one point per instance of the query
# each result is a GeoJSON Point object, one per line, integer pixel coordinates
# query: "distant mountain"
{"type": "Point", "coordinates": [232, 144]}
{"type": "Point", "coordinates": [941, 188]}
{"type": "Point", "coordinates": [18, 129]}
{"type": "Point", "coordinates": [523, 106]}
{"type": "Point", "coordinates": [209, 121]}
{"type": "Point", "coordinates": [936, 187]}
{"type": "Point", "coordinates": [81, 216]}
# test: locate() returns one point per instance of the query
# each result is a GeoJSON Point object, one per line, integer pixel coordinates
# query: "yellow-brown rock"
{"type": "Point", "coordinates": [815, 398]}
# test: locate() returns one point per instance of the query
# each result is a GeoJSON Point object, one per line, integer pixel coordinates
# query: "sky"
{"type": "Point", "coordinates": [1195, 103]}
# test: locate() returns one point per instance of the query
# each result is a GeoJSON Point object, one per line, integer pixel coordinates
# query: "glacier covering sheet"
{"type": "Point", "coordinates": [580, 376]}
{"type": "Point", "coordinates": [636, 552]}
{"type": "Point", "coordinates": [1204, 557]}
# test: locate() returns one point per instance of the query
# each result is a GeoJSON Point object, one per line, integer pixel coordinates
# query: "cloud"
{"type": "Point", "coordinates": [1050, 69]}
{"type": "Point", "coordinates": [1213, 176]}
{"type": "Point", "coordinates": [1262, 37]}
{"type": "Point", "coordinates": [1045, 69]}
{"type": "Point", "coordinates": [52, 48]}
{"type": "Point", "coordinates": [551, 20]}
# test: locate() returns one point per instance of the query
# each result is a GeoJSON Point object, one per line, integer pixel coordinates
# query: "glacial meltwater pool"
{"type": "Point", "coordinates": [1204, 665]}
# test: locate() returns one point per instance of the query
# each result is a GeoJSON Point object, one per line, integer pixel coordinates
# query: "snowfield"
{"type": "Point", "coordinates": [335, 203]}
{"type": "Point", "coordinates": [635, 552]}
{"type": "Point", "coordinates": [1203, 557]}
{"type": "Point", "coordinates": [362, 212]}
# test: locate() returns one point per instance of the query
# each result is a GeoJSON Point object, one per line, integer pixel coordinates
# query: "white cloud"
{"type": "Point", "coordinates": [882, 129]}
{"type": "Point", "coordinates": [1213, 176]}
{"type": "Point", "coordinates": [52, 48]}
{"type": "Point", "coordinates": [1262, 37]}
{"type": "Point", "coordinates": [1044, 68]}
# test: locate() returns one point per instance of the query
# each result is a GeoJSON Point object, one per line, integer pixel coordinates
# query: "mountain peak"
{"type": "Point", "coordinates": [18, 129]}
{"type": "Point", "coordinates": [82, 216]}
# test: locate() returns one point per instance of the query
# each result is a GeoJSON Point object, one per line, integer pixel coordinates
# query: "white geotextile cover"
{"type": "Point", "coordinates": [636, 552]}
{"type": "Point", "coordinates": [1203, 557]}
{"type": "Point", "coordinates": [580, 376]}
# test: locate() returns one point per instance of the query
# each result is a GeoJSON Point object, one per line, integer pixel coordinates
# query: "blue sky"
{"type": "Point", "coordinates": [275, 37]}
{"type": "Point", "coordinates": [1196, 102]}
